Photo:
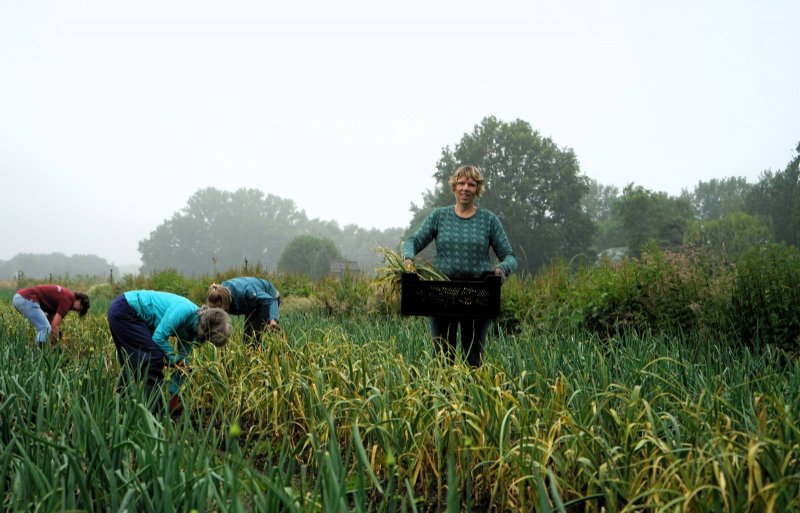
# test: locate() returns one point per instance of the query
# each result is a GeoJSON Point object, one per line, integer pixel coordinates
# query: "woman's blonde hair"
{"type": "Point", "coordinates": [468, 171]}
{"type": "Point", "coordinates": [219, 297]}
{"type": "Point", "coordinates": [213, 325]}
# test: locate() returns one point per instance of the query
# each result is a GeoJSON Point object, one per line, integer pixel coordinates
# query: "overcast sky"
{"type": "Point", "coordinates": [112, 114]}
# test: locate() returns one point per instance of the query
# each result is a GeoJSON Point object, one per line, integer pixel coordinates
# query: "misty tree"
{"type": "Point", "coordinates": [777, 196]}
{"type": "Point", "coordinates": [533, 186]}
{"type": "Point", "coordinates": [361, 244]}
{"type": "Point", "coordinates": [645, 216]}
{"type": "Point", "coordinates": [219, 230]}
{"type": "Point", "coordinates": [42, 266]}
{"type": "Point", "coordinates": [719, 197]}
{"type": "Point", "coordinates": [308, 255]}
{"type": "Point", "coordinates": [599, 200]}
{"type": "Point", "coordinates": [730, 236]}
{"type": "Point", "coordinates": [223, 229]}
{"type": "Point", "coordinates": [598, 203]}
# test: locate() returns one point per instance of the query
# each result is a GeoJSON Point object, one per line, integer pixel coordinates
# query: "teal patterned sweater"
{"type": "Point", "coordinates": [462, 245]}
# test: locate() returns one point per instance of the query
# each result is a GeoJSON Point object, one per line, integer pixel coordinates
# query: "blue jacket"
{"type": "Point", "coordinates": [248, 293]}
{"type": "Point", "coordinates": [169, 315]}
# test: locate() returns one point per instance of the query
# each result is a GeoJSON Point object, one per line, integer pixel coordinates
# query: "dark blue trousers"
{"type": "Point", "coordinates": [140, 358]}
{"type": "Point", "coordinates": [473, 336]}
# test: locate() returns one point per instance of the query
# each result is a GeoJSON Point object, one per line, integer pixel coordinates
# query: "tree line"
{"type": "Point", "coordinates": [549, 209]}
{"type": "Point", "coordinates": [219, 230]}
{"type": "Point", "coordinates": [43, 266]}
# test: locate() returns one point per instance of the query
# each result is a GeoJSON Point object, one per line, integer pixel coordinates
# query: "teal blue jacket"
{"type": "Point", "coordinates": [169, 315]}
{"type": "Point", "coordinates": [462, 245]}
{"type": "Point", "coordinates": [249, 292]}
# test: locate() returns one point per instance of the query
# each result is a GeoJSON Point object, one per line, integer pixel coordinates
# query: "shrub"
{"type": "Point", "coordinates": [170, 280]}
{"type": "Point", "coordinates": [346, 295]}
{"type": "Point", "coordinates": [766, 296]}
{"type": "Point", "coordinates": [666, 291]}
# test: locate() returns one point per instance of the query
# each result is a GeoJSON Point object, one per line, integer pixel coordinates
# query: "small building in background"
{"type": "Point", "coordinates": [340, 267]}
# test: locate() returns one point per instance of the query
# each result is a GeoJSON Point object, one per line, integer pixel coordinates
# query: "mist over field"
{"type": "Point", "coordinates": [118, 114]}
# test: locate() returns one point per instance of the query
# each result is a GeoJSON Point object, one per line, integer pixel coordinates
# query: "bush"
{"type": "Point", "coordinates": [346, 295]}
{"type": "Point", "coordinates": [766, 295]}
{"type": "Point", "coordinates": [670, 292]}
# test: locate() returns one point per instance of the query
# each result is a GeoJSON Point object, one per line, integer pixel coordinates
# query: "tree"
{"type": "Point", "coordinates": [361, 245]}
{"type": "Point", "coordinates": [730, 236]}
{"type": "Point", "coordinates": [777, 195]}
{"type": "Point", "coordinates": [599, 200]}
{"type": "Point", "coordinates": [651, 216]}
{"type": "Point", "coordinates": [533, 186]}
{"type": "Point", "coordinates": [308, 255]}
{"type": "Point", "coordinates": [718, 198]}
{"type": "Point", "coordinates": [598, 203]}
{"type": "Point", "coordinates": [40, 266]}
{"type": "Point", "coordinates": [223, 229]}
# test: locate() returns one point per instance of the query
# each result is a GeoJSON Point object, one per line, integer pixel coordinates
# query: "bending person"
{"type": "Point", "coordinates": [141, 324]}
{"type": "Point", "coordinates": [45, 306]}
{"type": "Point", "coordinates": [463, 234]}
{"type": "Point", "coordinates": [254, 298]}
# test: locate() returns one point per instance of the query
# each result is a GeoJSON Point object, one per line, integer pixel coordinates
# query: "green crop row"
{"type": "Point", "coordinates": [340, 413]}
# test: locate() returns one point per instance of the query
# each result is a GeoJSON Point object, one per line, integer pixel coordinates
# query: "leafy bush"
{"type": "Point", "coordinates": [346, 295]}
{"type": "Point", "coordinates": [306, 254]}
{"type": "Point", "coordinates": [671, 292]}
{"type": "Point", "coordinates": [766, 296]}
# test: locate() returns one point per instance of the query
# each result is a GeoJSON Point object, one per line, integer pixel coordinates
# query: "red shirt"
{"type": "Point", "coordinates": [54, 299]}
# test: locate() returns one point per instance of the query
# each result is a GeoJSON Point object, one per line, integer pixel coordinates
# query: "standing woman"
{"type": "Point", "coordinates": [45, 306]}
{"type": "Point", "coordinates": [463, 233]}
{"type": "Point", "coordinates": [141, 324]}
{"type": "Point", "coordinates": [255, 298]}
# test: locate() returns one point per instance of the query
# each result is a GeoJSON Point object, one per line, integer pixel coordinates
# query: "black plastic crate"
{"type": "Point", "coordinates": [478, 298]}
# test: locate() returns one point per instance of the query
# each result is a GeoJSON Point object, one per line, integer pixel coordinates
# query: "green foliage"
{"type": "Point", "coordinates": [664, 291]}
{"type": "Point", "coordinates": [766, 297]}
{"type": "Point", "coordinates": [777, 196]}
{"type": "Point", "coordinates": [216, 231]}
{"type": "Point", "coordinates": [56, 266]}
{"type": "Point", "coordinates": [351, 413]}
{"type": "Point", "coordinates": [219, 230]}
{"type": "Point", "coordinates": [729, 236]}
{"type": "Point", "coordinates": [346, 295]}
{"type": "Point", "coordinates": [646, 216]}
{"type": "Point", "coordinates": [289, 285]}
{"type": "Point", "coordinates": [716, 199]}
{"type": "Point", "coordinates": [533, 186]}
{"type": "Point", "coordinates": [170, 280]}
{"type": "Point", "coordinates": [308, 255]}
{"type": "Point", "coordinates": [599, 200]}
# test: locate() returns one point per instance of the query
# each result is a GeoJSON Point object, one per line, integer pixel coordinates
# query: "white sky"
{"type": "Point", "coordinates": [112, 114]}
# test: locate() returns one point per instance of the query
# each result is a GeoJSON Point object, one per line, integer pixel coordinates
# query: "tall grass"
{"type": "Point", "coordinates": [350, 411]}
{"type": "Point", "coordinates": [639, 422]}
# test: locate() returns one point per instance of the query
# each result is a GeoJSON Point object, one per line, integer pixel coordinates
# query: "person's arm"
{"type": "Point", "coordinates": [424, 235]}
{"type": "Point", "coordinates": [272, 304]}
{"type": "Point", "coordinates": [65, 301]}
{"type": "Point", "coordinates": [55, 326]}
{"type": "Point", "coordinates": [170, 325]}
{"type": "Point", "coordinates": [503, 250]}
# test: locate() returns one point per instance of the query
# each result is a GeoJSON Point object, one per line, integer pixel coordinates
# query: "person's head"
{"type": "Point", "coordinates": [81, 303]}
{"type": "Point", "coordinates": [213, 325]}
{"type": "Point", "coordinates": [219, 297]}
{"type": "Point", "coordinates": [468, 172]}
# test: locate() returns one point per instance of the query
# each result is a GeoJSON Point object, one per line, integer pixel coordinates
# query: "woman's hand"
{"type": "Point", "coordinates": [408, 264]}
{"type": "Point", "coordinates": [499, 272]}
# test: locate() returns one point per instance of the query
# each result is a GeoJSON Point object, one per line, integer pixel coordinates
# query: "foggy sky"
{"type": "Point", "coordinates": [112, 114]}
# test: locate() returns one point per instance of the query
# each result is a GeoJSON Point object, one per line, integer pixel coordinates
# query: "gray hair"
{"type": "Point", "coordinates": [213, 325]}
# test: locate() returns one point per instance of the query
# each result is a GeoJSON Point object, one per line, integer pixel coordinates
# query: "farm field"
{"type": "Point", "coordinates": [352, 413]}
